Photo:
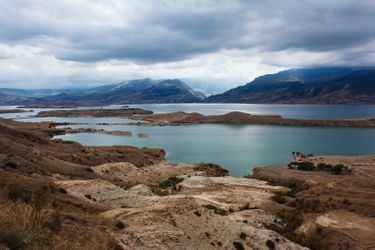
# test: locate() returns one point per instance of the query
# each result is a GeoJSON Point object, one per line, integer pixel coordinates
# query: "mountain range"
{"type": "Point", "coordinates": [134, 91]}
{"type": "Point", "coordinates": [328, 85]}
{"type": "Point", "coordinates": [306, 86]}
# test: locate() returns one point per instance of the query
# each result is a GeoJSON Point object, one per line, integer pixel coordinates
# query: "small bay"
{"type": "Point", "coordinates": [238, 148]}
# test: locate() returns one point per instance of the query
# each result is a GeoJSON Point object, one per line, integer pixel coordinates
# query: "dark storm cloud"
{"type": "Point", "coordinates": [160, 31]}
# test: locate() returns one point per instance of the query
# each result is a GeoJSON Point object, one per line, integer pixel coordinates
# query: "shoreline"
{"type": "Point", "coordinates": [182, 118]}
{"type": "Point", "coordinates": [8, 111]}
{"type": "Point", "coordinates": [123, 180]}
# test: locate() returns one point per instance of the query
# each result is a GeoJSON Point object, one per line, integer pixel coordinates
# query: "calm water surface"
{"type": "Point", "coordinates": [238, 148]}
{"type": "Point", "coordinates": [289, 111]}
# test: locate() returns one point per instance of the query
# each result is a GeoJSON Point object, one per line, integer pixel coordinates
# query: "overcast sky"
{"type": "Point", "coordinates": [55, 43]}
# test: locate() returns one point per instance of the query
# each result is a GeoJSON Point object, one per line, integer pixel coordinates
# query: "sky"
{"type": "Point", "coordinates": [212, 43]}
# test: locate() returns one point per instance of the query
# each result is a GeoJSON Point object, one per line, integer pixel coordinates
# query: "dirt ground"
{"type": "Point", "coordinates": [344, 204]}
{"type": "Point", "coordinates": [124, 197]}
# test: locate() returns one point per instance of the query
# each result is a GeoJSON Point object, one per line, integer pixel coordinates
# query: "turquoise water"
{"type": "Point", "coordinates": [238, 148]}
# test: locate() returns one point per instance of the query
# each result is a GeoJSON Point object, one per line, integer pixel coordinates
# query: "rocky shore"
{"type": "Point", "coordinates": [128, 196]}
{"type": "Point", "coordinates": [244, 118]}
{"type": "Point", "coordinates": [147, 118]}
{"type": "Point", "coordinates": [123, 197]}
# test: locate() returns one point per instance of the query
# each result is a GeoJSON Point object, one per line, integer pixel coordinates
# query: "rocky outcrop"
{"type": "Point", "coordinates": [236, 117]}
{"type": "Point", "coordinates": [332, 210]}
{"type": "Point", "coordinates": [198, 212]}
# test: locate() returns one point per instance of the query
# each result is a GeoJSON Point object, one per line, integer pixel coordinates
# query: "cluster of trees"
{"type": "Point", "coordinates": [301, 155]}
{"type": "Point", "coordinates": [309, 166]}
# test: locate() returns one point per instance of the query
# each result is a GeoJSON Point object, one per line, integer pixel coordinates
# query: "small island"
{"type": "Point", "coordinates": [123, 112]}
{"type": "Point", "coordinates": [176, 118]}
{"type": "Point", "coordinates": [6, 111]}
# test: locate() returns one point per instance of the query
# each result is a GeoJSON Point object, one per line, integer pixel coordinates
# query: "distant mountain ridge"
{"type": "Point", "coordinates": [306, 86]}
{"type": "Point", "coordinates": [134, 91]}
{"type": "Point", "coordinates": [328, 85]}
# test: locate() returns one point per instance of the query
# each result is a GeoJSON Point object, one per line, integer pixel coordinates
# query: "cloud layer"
{"type": "Point", "coordinates": [65, 43]}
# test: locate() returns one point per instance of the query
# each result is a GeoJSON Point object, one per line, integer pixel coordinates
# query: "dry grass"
{"type": "Point", "coordinates": [21, 225]}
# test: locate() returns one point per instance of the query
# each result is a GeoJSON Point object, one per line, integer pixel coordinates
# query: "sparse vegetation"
{"type": "Point", "coordinates": [21, 225]}
{"type": "Point", "coordinates": [56, 221]}
{"type": "Point", "coordinates": [304, 166]}
{"type": "Point", "coordinates": [211, 169]}
{"type": "Point", "coordinates": [238, 245]}
{"type": "Point", "coordinates": [243, 235]}
{"type": "Point", "coordinates": [120, 225]}
{"type": "Point", "coordinates": [279, 198]}
{"type": "Point", "coordinates": [16, 192]}
{"type": "Point", "coordinates": [170, 182]}
{"type": "Point", "coordinates": [246, 206]}
{"type": "Point", "coordinates": [216, 210]}
{"type": "Point", "coordinates": [197, 213]}
{"type": "Point", "coordinates": [309, 166]}
{"type": "Point", "coordinates": [270, 244]}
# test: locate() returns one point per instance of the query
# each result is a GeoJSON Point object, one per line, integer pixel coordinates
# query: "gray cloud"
{"type": "Point", "coordinates": [160, 31]}
{"type": "Point", "coordinates": [47, 41]}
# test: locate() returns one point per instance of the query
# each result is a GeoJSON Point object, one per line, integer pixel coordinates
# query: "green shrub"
{"type": "Point", "coordinates": [324, 167]}
{"type": "Point", "coordinates": [279, 198]}
{"type": "Point", "coordinates": [238, 245]}
{"type": "Point", "coordinates": [245, 206]}
{"type": "Point", "coordinates": [270, 244]}
{"type": "Point", "coordinates": [40, 199]}
{"type": "Point", "coordinates": [338, 169]}
{"type": "Point", "coordinates": [243, 236]}
{"type": "Point", "coordinates": [170, 182]}
{"type": "Point", "coordinates": [306, 166]}
{"type": "Point", "coordinates": [216, 210]}
{"type": "Point", "coordinates": [17, 193]}
{"type": "Point", "coordinates": [56, 221]}
{"type": "Point", "coordinates": [308, 205]}
{"type": "Point", "coordinates": [292, 219]}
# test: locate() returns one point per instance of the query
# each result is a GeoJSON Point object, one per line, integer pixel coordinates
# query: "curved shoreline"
{"type": "Point", "coordinates": [180, 118]}
{"type": "Point", "coordinates": [177, 118]}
